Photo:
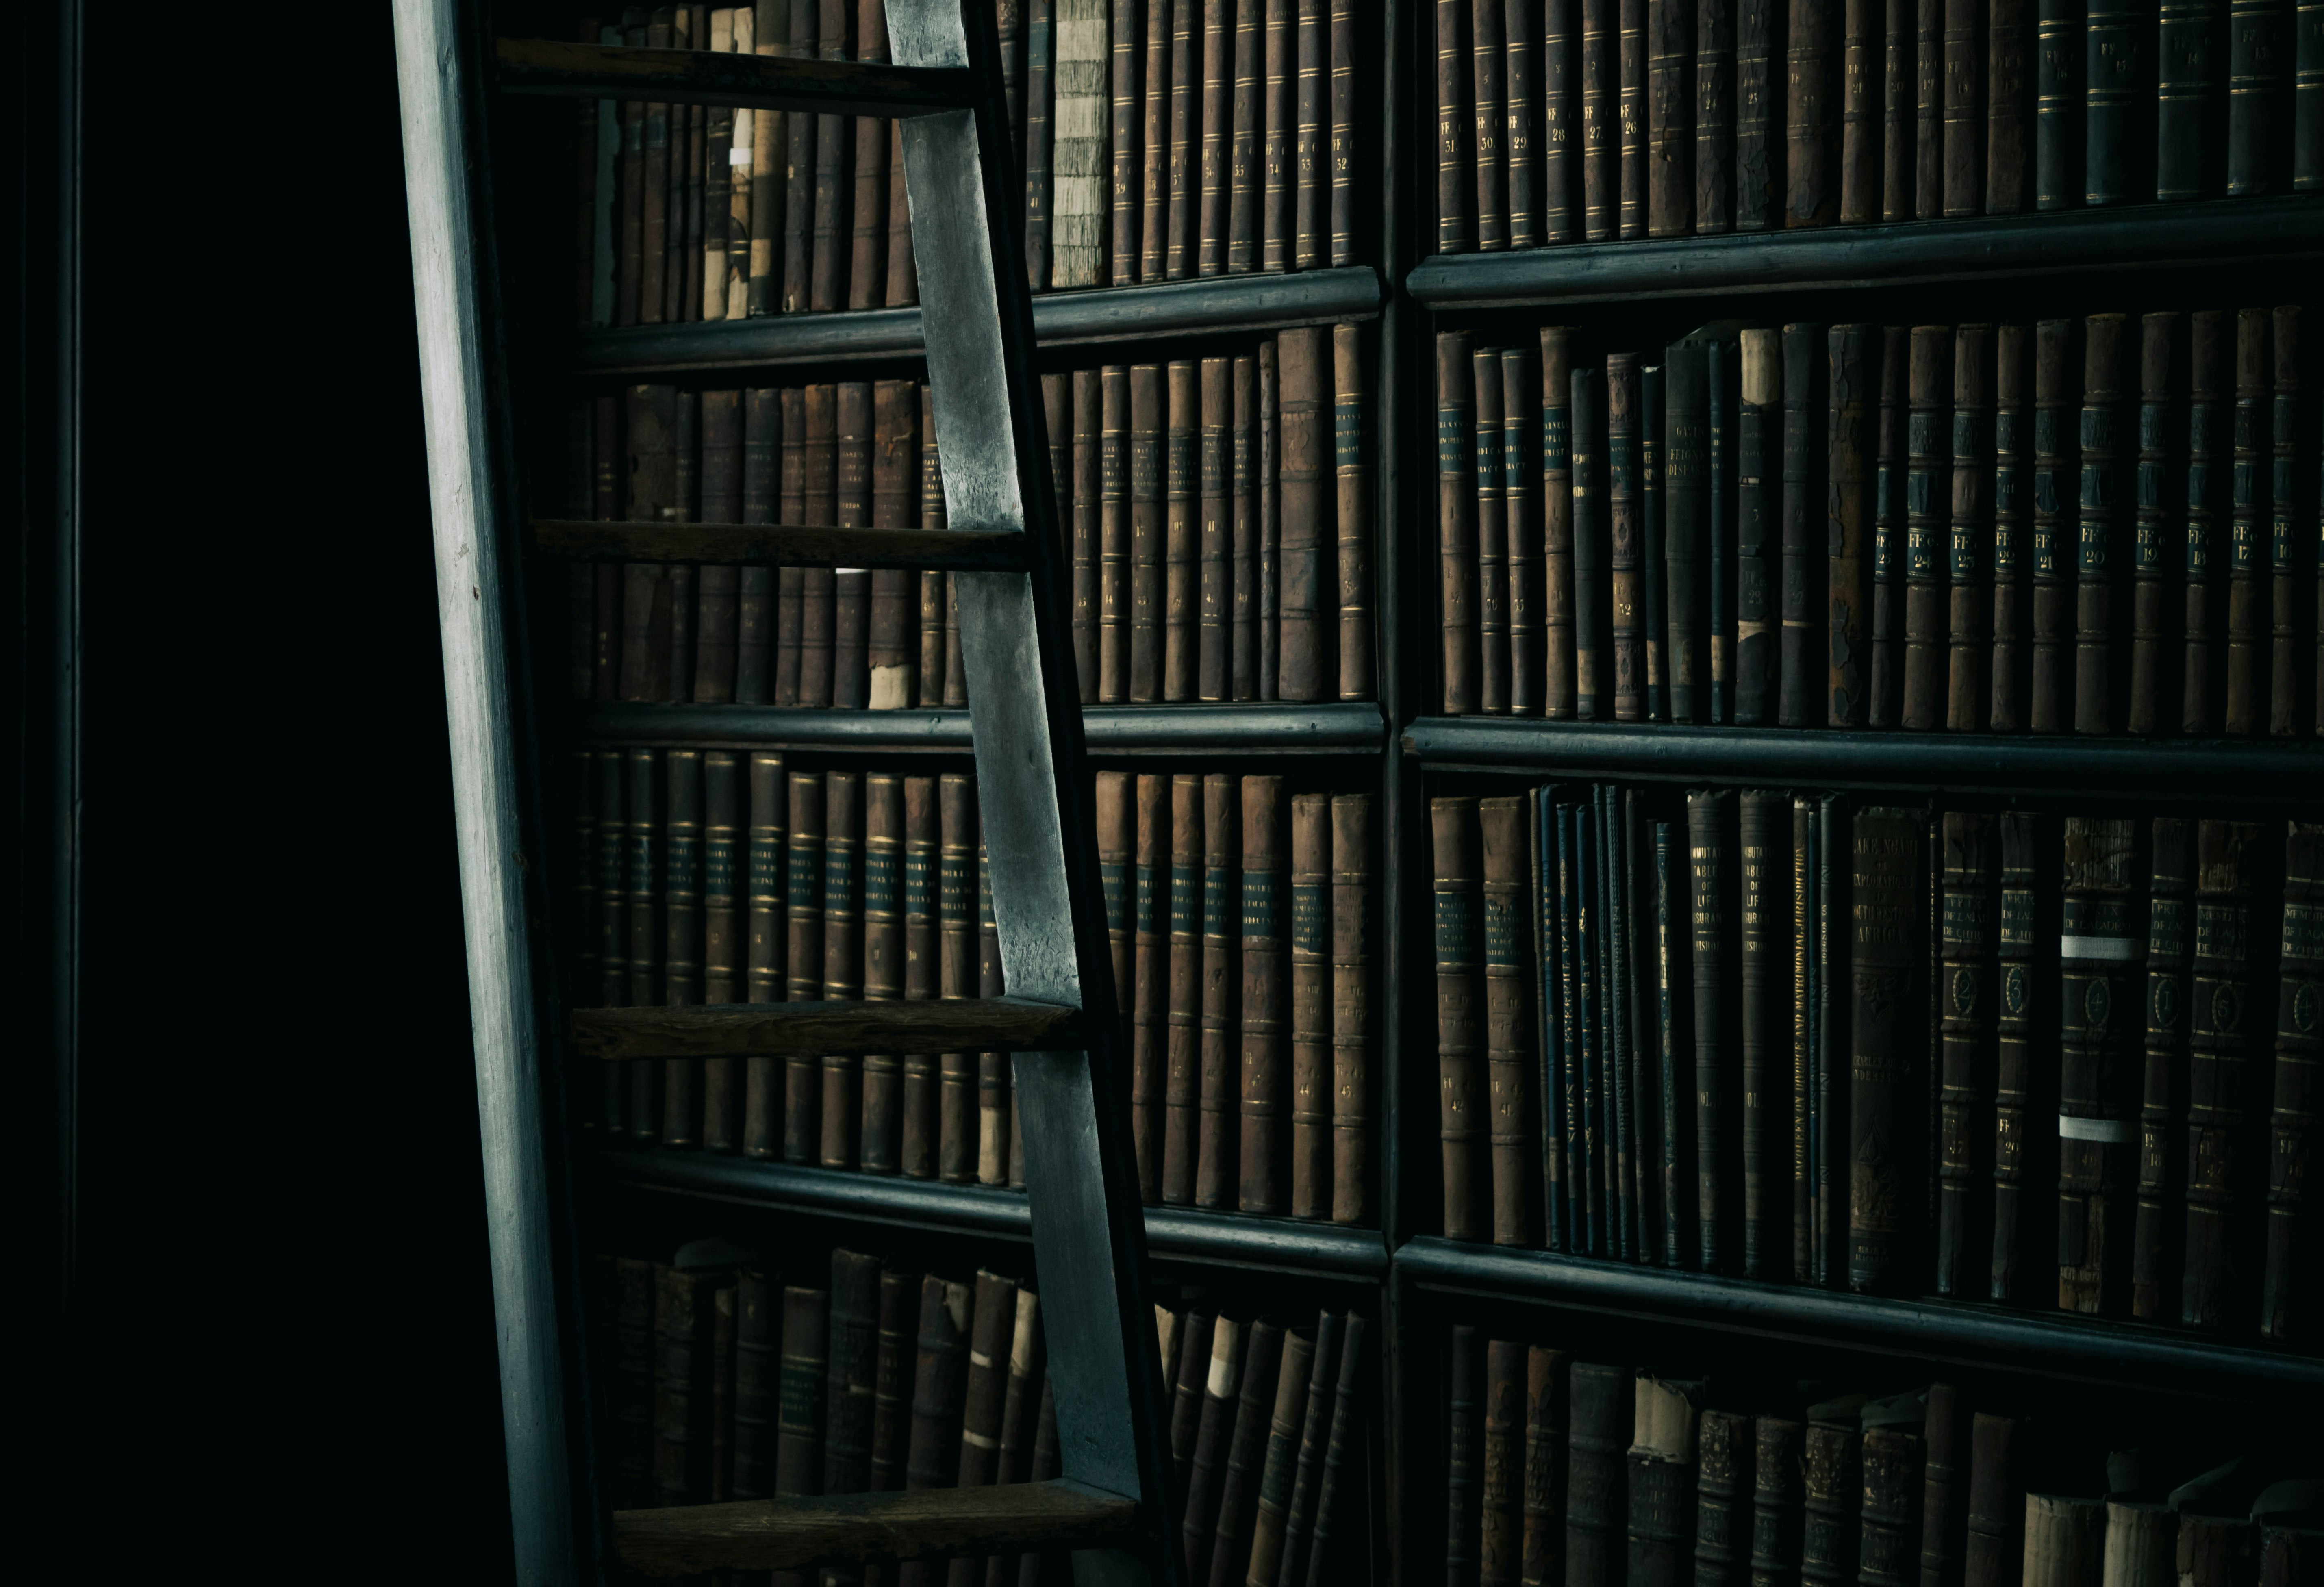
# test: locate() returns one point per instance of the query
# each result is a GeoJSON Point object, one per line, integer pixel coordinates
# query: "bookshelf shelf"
{"type": "Point", "coordinates": [2141, 236]}
{"type": "Point", "coordinates": [1111, 314]}
{"type": "Point", "coordinates": [2092, 1351]}
{"type": "Point", "coordinates": [1351, 729]}
{"type": "Point", "coordinates": [1322, 1250]}
{"type": "Point", "coordinates": [2260, 768]}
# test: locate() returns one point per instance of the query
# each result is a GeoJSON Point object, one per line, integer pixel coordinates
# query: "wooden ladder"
{"type": "Point", "coordinates": [1071, 1077]}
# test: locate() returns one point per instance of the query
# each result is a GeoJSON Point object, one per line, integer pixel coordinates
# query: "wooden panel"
{"type": "Point", "coordinates": [784, 545]}
{"type": "Point", "coordinates": [721, 1030]}
{"type": "Point", "coordinates": [697, 77]}
{"type": "Point", "coordinates": [784, 1534]}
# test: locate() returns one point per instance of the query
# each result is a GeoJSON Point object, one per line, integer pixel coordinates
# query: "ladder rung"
{"type": "Point", "coordinates": [969, 551]}
{"type": "Point", "coordinates": [726, 1030]}
{"type": "Point", "coordinates": [785, 1534]}
{"type": "Point", "coordinates": [698, 77]}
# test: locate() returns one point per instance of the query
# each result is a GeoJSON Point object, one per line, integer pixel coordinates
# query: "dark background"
{"type": "Point", "coordinates": [279, 1351]}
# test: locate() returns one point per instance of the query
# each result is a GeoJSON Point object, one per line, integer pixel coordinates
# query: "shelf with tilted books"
{"type": "Point", "coordinates": [1353, 729]}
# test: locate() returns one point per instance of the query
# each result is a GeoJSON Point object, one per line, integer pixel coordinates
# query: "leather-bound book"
{"type": "Point", "coordinates": [881, 894]}
{"type": "Point", "coordinates": [939, 1383]}
{"type": "Point", "coordinates": [1506, 865]}
{"type": "Point", "coordinates": [754, 226]}
{"type": "Point", "coordinates": [1113, 535]}
{"type": "Point", "coordinates": [1808, 926]}
{"type": "Point", "coordinates": [1670, 117]}
{"type": "Point", "coordinates": [2065, 1541]}
{"type": "Point", "coordinates": [1031, 1570]}
{"type": "Point", "coordinates": [1596, 1492]}
{"type": "Point", "coordinates": [2011, 533]}
{"type": "Point", "coordinates": [1776, 1496]}
{"type": "Point", "coordinates": [1542, 1485]}
{"type": "Point", "coordinates": [2099, 953]}
{"type": "Point", "coordinates": [2288, 1288]}
{"type": "Point", "coordinates": [1944, 1486]}
{"type": "Point", "coordinates": [2010, 63]}
{"type": "Point", "coordinates": [2054, 440]}
{"type": "Point", "coordinates": [1214, 1431]}
{"type": "Point", "coordinates": [1966, 569]}
{"type": "Point", "coordinates": [1089, 62]}
{"type": "Point", "coordinates": [802, 1395]}
{"type": "Point", "coordinates": [1929, 100]}
{"type": "Point", "coordinates": [2260, 60]}
{"type": "Point", "coordinates": [1710, 821]}
{"type": "Point", "coordinates": [1267, 1492]}
{"type": "Point", "coordinates": [1263, 1114]}
{"type": "Point", "coordinates": [1181, 532]}
{"type": "Point", "coordinates": [720, 503]}
{"type": "Point", "coordinates": [606, 927]}
{"type": "Point", "coordinates": [1040, 72]}
{"type": "Point", "coordinates": [1831, 1464]}
{"type": "Point", "coordinates": [1713, 110]}
{"type": "Point", "coordinates": [1271, 1355]}
{"type": "Point", "coordinates": [1161, 79]}
{"type": "Point", "coordinates": [1453, 827]}
{"type": "Point", "coordinates": [1560, 131]}
{"type": "Point", "coordinates": [1557, 523]}
{"type": "Point", "coordinates": [1488, 112]}
{"type": "Point", "coordinates": [1188, 1388]}
{"type": "Point", "coordinates": [1687, 528]}
{"type": "Point", "coordinates": [1756, 512]}
{"type": "Point", "coordinates": [1305, 627]}
{"type": "Point", "coordinates": [1215, 595]}
{"type": "Point", "coordinates": [1182, 1070]}
{"type": "Point", "coordinates": [1148, 418]}
{"type": "Point", "coordinates": [1626, 539]}
{"type": "Point", "coordinates": [768, 927]}
{"type": "Point", "coordinates": [1351, 971]}
{"type": "Point", "coordinates": [1600, 106]}
{"type": "Point", "coordinates": [1246, 115]}
{"type": "Point", "coordinates": [1893, 1499]}
{"type": "Point", "coordinates": [842, 978]}
{"type": "Point", "coordinates": [1631, 20]}
{"type": "Point", "coordinates": [851, 597]}
{"type": "Point", "coordinates": [1342, 52]}
{"type": "Point", "coordinates": [758, 1368]}
{"type": "Point", "coordinates": [1884, 668]}
{"type": "Point", "coordinates": [644, 804]}
{"type": "Point", "coordinates": [654, 230]}
{"type": "Point", "coordinates": [1149, 982]}
{"type": "Point", "coordinates": [918, 1132]}
{"type": "Point", "coordinates": [1295, 1500]}
{"type": "Point", "coordinates": [2099, 701]}
{"type": "Point", "coordinates": [834, 163]}
{"type": "Point", "coordinates": [1216, 1135]}
{"type": "Point", "coordinates": [2216, 1550]}
{"type": "Point", "coordinates": [895, 464]}
{"type": "Point", "coordinates": [1723, 1483]}
{"type": "Point", "coordinates": [722, 871]}
{"type": "Point", "coordinates": [1662, 1481]}
{"type": "Point", "coordinates": [1353, 481]}
{"type": "Point", "coordinates": [1593, 681]}
{"type": "Point", "coordinates": [818, 587]}
{"type": "Point", "coordinates": [1964, 73]}
{"type": "Point", "coordinates": [1801, 605]}
{"type": "Point", "coordinates": [1810, 119]}
{"type": "Point", "coordinates": [1343, 1448]}
{"type": "Point", "coordinates": [1279, 80]}
{"type": "Point", "coordinates": [1464, 1394]}
{"type": "Point", "coordinates": [1853, 351]}
{"type": "Point", "coordinates": [1966, 997]}
{"type": "Point", "coordinates": [1499, 1467]}
{"type": "Point", "coordinates": [681, 1119]}
{"type": "Point", "coordinates": [2191, 101]}
{"type": "Point", "coordinates": [2285, 684]}
{"type": "Point", "coordinates": [1117, 818]}
{"type": "Point", "coordinates": [984, 1397]}
{"type": "Point", "coordinates": [629, 227]}
{"type": "Point", "coordinates": [1492, 536]}
{"type": "Point", "coordinates": [1456, 192]}
{"type": "Point", "coordinates": [956, 1154]}
{"type": "Point", "coordinates": [1861, 111]}
{"type": "Point", "coordinates": [683, 1317]}
{"type": "Point", "coordinates": [2014, 1014]}
{"type": "Point", "coordinates": [2206, 433]}
{"type": "Point", "coordinates": [2157, 345]}
{"type": "Point", "coordinates": [1020, 1414]}
{"type": "Point", "coordinates": [2154, 1262]}
{"type": "Point", "coordinates": [607, 467]}
{"type": "Point", "coordinates": [1520, 139]}
{"type": "Point", "coordinates": [1765, 933]}
{"type": "Point", "coordinates": [1759, 148]}
{"type": "Point", "coordinates": [2119, 103]}
{"type": "Point", "coordinates": [2058, 115]}
{"type": "Point", "coordinates": [852, 1375]}
{"type": "Point", "coordinates": [2229, 858]}
{"type": "Point", "coordinates": [651, 427]}
{"type": "Point", "coordinates": [1207, 255]}
{"type": "Point", "coordinates": [790, 582]}
{"type": "Point", "coordinates": [1991, 1552]}
{"type": "Point", "coordinates": [1270, 523]}
{"type": "Point", "coordinates": [2141, 1545]}
{"type": "Point", "coordinates": [1244, 547]}
{"type": "Point", "coordinates": [867, 266]}
{"type": "Point", "coordinates": [1080, 504]}
{"type": "Point", "coordinates": [1456, 522]}
{"type": "Point", "coordinates": [996, 1160]}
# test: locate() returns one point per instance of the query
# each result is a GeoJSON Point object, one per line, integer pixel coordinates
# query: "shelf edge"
{"type": "Point", "coordinates": [1356, 727]}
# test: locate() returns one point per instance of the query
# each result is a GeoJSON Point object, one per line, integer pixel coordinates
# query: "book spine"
{"type": "Point", "coordinates": [1279, 140]}
{"type": "Point", "coordinates": [1489, 111]}
{"type": "Point", "coordinates": [1862, 119]}
{"type": "Point", "coordinates": [1714, 116]}
{"type": "Point", "coordinates": [1653, 568]}
{"type": "Point", "coordinates": [1463, 1455]}
{"type": "Point", "coordinates": [882, 961]}
{"type": "Point", "coordinates": [643, 804]}
{"type": "Point", "coordinates": [1148, 423]}
{"type": "Point", "coordinates": [1270, 523]}
{"type": "Point", "coordinates": [802, 1394]}
{"type": "Point", "coordinates": [2012, 550]}
{"type": "Point", "coordinates": [2012, 1045]}
{"type": "Point", "coordinates": [1196, 1338]}
{"type": "Point", "coordinates": [1992, 1555]}
{"type": "Point", "coordinates": [2157, 339]}
{"type": "Point", "coordinates": [1801, 605]}
{"type": "Point", "coordinates": [1600, 104]}
{"type": "Point", "coordinates": [1776, 1496]}
{"type": "Point", "coordinates": [681, 1119]}
{"type": "Point", "coordinates": [1243, 641]}
{"type": "Point", "coordinates": [2156, 1237]}
{"type": "Point", "coordinates": [1723, 1477]}
{"type": "Point", "coordinates": [2053, 401]}
{"type": "Point", "coordinates": [1454, 836]}
{"type": "Point", "coordinates": [1084, 59]}
{"type": "Point", "coordinates": [1113, 535]}
{"type": "Point", "coordinates": [1182, 1093]}
{"type": "Point", "coordinates": [1181, 207]}
{"type": "Point", "coordinates": [1852, 350]}
{"type": "Point", "coordinates": [842, 956]}
{"type": "Point", "coordinates": [1506, 861]}
{"type": "Point", "coordinates": [1271, 1355]}
{"type": "Point", "coordinates": [1182, 533]}
{"type": "Point", "coordinates": [1130, 40]}
{"type": "Point", "coordinates": [1763, 932]}
{"type": "Point", "coordinates": [1963, 1130]}
{"type": "Point", "coordinates": [1215, 1432]}
{"type": "Point", "coordinates": [1341, 1451]}
{"type": "Point", "coordinates": [683, 1319]}
{"type": "Point", "coordinates": [2099, 956]}
{"type": "Point", "coordinates": [1268, 1482]}
{"type": "Point", "coordinates": [1351, 971]}
{"type": "Point", "coordinates": [939, 1384]}
{"type": "Point", "coordinates": [1673, 1033]}
{"type": "Point", "coordinates": [1593, 696]}
{"type": "Point", "coordinates": [1263, 1114]}
{"type": "Point", "coordinates": [1520, 472]}
{"type": "Point", "coordinates": [1312, 1052]}
{"type": "Point", "coordinates": [1456, 220]}
{"type": "Point", "coordinates": [996, 1162]}
{"type": "Point", "coordinates": [1830, 1466]}
{"type": "Point", "coordinates": [917, 1127]}
{"type": "Point", "coordinates": [1806, 931]}
{"type": "Point", "coordinates": [1456, 524]}
{"type": "Point", "coordinates": [1311, 198]}
{"type": "Point", "coordinates": [1500, 1471]}
{"type": "Point", "coordinates": [1557, 518]}
{"type": "Point", "coordinates": [1928, 99]}
{"type": "Point", "coordinates": [867, 268]}
{"type": "Point", "coordinates": [1625, 537]}
{"type": "Point", "coordinates": [1811, 187]}
{"type": "Point", "coordinates": [1687, 534]}
{"type": "Point", "coordinates": [1216, 1137]}
{"type": "Point", "coordinates": [1945, 1447]}
{"type": "Point", "coordinates": [2228, 858]}
{"type": "Point", "coordinates": [764, 979]}
{"type": "Point", "coordinates": [1150, 980]}
{"type": "Point", "coordinates": [1244, 142]}
{"type": "Point", "coordinates": [834, 161]}
{"type": "Point", "coordinates": [2308, 100]}
{"type": "Point", "coordinates": [1710, 821]}
{"type": "Point", "coordinates": [2010, 50]}
{"type": "Point", "coordinates": [2097, 560]}
{"type": "Point", "coordinates": [1305, 1479]}
{"type": "Point", "coordinates": [1493, 534]}
{"type": "Point", "coordinates": [722, 829]}
{"type": "Point", "coordinates": [1964, 62]}
{"type": "Point", "coordinates": [1542, 1482]}
{"type": "Point", "coordinates": [2058, 104]}
{"type": "Point", "coordinates": [2260, 62]}
{"type": "Point", "coordinates": [1215, 592]}
{"type": "Point", "coordinates": [1893, 1494]}
{"type": "Point", "coordinates": [1040, 72]}
{"type": "Point", "coordinates": [1630, 18]}
{"type": "Point", "coordinates": [599, 922]}
{"type": "Point", "coordinates": [1303, 640]}
{"type": "Point", "coordinates": [1889, 482]}
{"type": "Point", "coordinates": [1217, 133]}
{"type": "Point", "coordinates": [1966, 563]}
{"type": "Point", "coordinates": [2206, 427]}
{"type": "Point", "coordinates": [956, 977]}
{"type": "Point", "coordinates": [1603, 1405]}
{"type": "Point", "coordinates": [1520, 123]}
{"type": "Point", "coordinates": [1760, 156]}
{"type": "Point", "coordinates": [1353, 479]}
{"type": "Point", "coordinates": [2065, 1541]}
{"type": "Point", "coordinates": [1670, 108]}
{"type": "Point", "coordinates": [2288, 1288]}
{"type": "Point", "coordinates": [1561, 122]}
{"type": "Point", "coordinates": [852, 1374]}
{"type": "Point", "coordinates": [1756, 647]}
{"type": "Point", "coordinates": [2288, 502]}
{"type": "Point", "coordinates": [2119, 103]}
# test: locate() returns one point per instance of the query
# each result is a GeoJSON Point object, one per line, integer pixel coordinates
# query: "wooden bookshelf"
{"type": "Point", "coordinates": [1355, 728]}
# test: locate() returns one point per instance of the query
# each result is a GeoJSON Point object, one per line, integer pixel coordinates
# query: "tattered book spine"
{"type": "Point", "coordinates": [2100, 954]}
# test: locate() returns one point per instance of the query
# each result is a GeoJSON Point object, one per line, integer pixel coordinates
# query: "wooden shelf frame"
{"type": "Point", "coordinates": [1351, 729]}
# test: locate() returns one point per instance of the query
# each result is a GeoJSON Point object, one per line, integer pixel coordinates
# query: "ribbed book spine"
{"type": "Point", "coordinates": [2289, 1288]}
{"type": "Point", "coordinates": [1310, 1016]}
{"type": "Point", "coordinates": [2229, 857]}
{"type": "Point", "coordinates": [1968, 560]}
{"type": "Point", "coordinates": [2100, 954]}
{"type": "Point", "coordinates": [2155, 1238]}
{"type": "Point", "coordinates": [1964, 1126]}
{"type": "Point", "coordinates": [1352, 971]}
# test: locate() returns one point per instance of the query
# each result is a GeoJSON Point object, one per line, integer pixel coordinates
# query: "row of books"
{"type": "Point", "coordinates": [722, 877]}
{"type": "Point", "coordinates": [1154, 143]}
{"type": "Point", "coordinates": [1698, 118]}
{"type": "Point", "coordinates": [1596, 1476]}
{"type": "Point", "coordinates": [1777, 1034]}
{"type": "Point", "coordinates": [2098, 525]}
{"type": "Point", "coordinates": [1218, 515]}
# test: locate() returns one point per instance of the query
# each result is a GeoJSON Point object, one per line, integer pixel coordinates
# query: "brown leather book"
{"type": "Point", "coordinates": [2288, 1285]}
{"type": "Point", "coordinates": [892, 1386]}
{"type": "Point", "coordinates": [1520, 473]}
{"type": "Point", "coordinates": [1661, 1470]}
{"type": "Point", "coordinates": [1712, 110]}
{"type": "Point", "coordinates": [1944, 1486]}
{"type": "Point", "coordinates": [853, 1373]}
{"type": "Point", "coordinates": [1966, 569]}
{"type": "Point", "coordinates": [2013, 1050]}
{"type": "Point", "coordinates": [722, 874]}
{"type": "Point", "coordinates": [1270, 523]}
{"type": "Point", "coordinates": [939, 1382]}
{"type": "Point", "coordinates": [984, 1394]}
{"type": "Point", "coordinates": [643, 804]}
{"type": "Point", "coordinates": [2229, 859]}
{"type": "Point", "coordinates": [1216, 1136]}
{"type": "Point", "coordinates": [1861, 111]}
{"type": "Point", "coordinates": [651, 414]}
{"type": "Point", "coordinates": [867, 268]}
{"type": "Point", "coordinates": [1558, 132]}
{"type": "Point", "coordinates": [1213, 678]}
{"type": "Point", "coordinates": [1456, 522]}
{"type": "Point", "coordinates": [1453, 824]}
{"type": "Point", "coordinates": [1626, 544]}
{"type": "Point", "coordinates": [1243, 534]}
{"type": "Point", "coordinates": [654, 228]}
{"type": "Point", "coordinates": [1079, 504]}
{"type": "Point", "coordinates": [1882, 692]}
{"type": "Point", "coordinates": [1247, 115]}
{"type": "Point", "coordinates": [1312, 1052]}
{"type": "Point", "coordinates": [1630, 53]}
{"type": "Point", "coordinates": [834, 161]}
{"type": "Point", "coordinates": [882, 969]}
{"type": "Point", "coordinates": [1456, 129]}
{"type": "Point", "coordinates": [1182, 533]}
{"type": "Point", "coordinates": [2099, 956]}
{"type": "Point", "coordinates": [1600, 104]}
{"type": "Point", "coordinates": [1557, 519]}
{"type": "Point", "coordinates": [1759, 73]}
{"type": "Point", "coordinates": [1263, 1113]}
{"type": "Point", "coordinates": [801, 1397]}
{"type": "Point", "coordinates": [1887, 1052]}
{"type": "Point", "coordinates": [1342, 1449]}
{"type": "Point", "coordinates": [895, 463]}
{"type": "Point", "coordinates": [842, 954]}
{"type": "Point", "coordinates": [2155, 1238]}
{"type": "Point", "coordinates": [768, 931]}
{"type": "Point", "coordinates": [1508, 867]}
{"type": "Point", "coordinates": [1268, 1357]}
{"type": "Point", "coordinates": [1148, 418]}
{"type": "Point", "coordinates": [1304, 631]}
{"type": "Point", "coordinates": [818, 587]}
{"type": "Point", "coordinates": [2207, 428]}
{"type": "Point", "coordinates": [1182, 133]}
{"type": "Point", "coordinates": [1670, 117]}
{"type": "Point", "coordinates": [1801, 605]}
{"type": "Point", "coordinates": [851, 586]}
{"type": "Point", "coordinates": [1266, 1491]}
{"type": "Point", "coordinates": [1964, 1131]}
{"type": "Point", "coordinates": [1723, 1515]}
{"type": "Point", "coordinates": [1117, 817]}
{"type": "Point", "coordinates": [1279, 135]}
{"type": "Point", "coordinates": [1123, 193]}
{"type": "Point", "coordinates": [956, 977]}
{"type": "Point", "coordinates": [2285, 709]}
{"type": "Point", "coordinates": [1764, 932]}
{"type": "Point", "coordinates": [1217, 137]}
{"type": "Point", "coordinates": [1991, 1554]}
{"type": "Point", "coordinates": [1929, 103]}
{"type": "Point", "coordinates": [1492, 535]}
{"type": "Point", "coordinates": [758, 1366]}
{"type": "Point", "coordinates": [1758, 510]}
{"type": "Point", "coordinates": [1182, 1068]}
{"type": "Point", "coordinates": [1854, 351]}
{"type": "Point", "coordinates": [1810, 99]}
{"type": "Point", "coordinates": [1113, 535]}
{"type": "Point", "coordinates": [2065, 1541]}
{"type": "Point", "coordinates": [2098, 700]}
{"type": "Point", "coordinates": [918, 1131]}
{"type": "Point", "coordinates": [1489, 115]}
{"type": "Point", "coordinates": [1776, 1517]}
{"type": "Point", "coordinates": [1214, 1430]}
{"type": "Point", "coordinates": [1831, 1482]}
{"type": "Point", "coordinates": [1464, 1394]}
{"type": "Point", "coordinates": [1352, 970]}
{"type": "Point", "coordinates": [1899, 124]}
{"type": "Point", "coordinates": [721, 488]}
{"type": "Point", "coordinates": [1293, 1493]}
{"type": "Point", "coordinates": [2053, 439]}
{"type": "Point", "coordinates": [1188, 1383]}
{"type": "Point", "coordinates": [1154, 147]}
{"type": "Point", "coordinates": [1500, 1547]}
{"type": "Point", "coordinates": [1353, 475]}
{"type": "Point", "coordinates": [1596, 1491]}
{"type": "Point", "coordinates": [1311, 173]}
{"type": "Point", "coordinates": [2158, 345]}
{"type": "Point", "coordinates": [1542, 1484]}
{"type": "Point", "coordinates": [790, 582]}
{"type": "Point", "coordinates": [2011, 534]}
{"type": "Point", "coordinates": [1893, 1498]}
{"type": "Point", "coordinates": [996, 1106]}
{"type": "Point", "coordinates": [942, 681]}
{"type": "Point", "coordinates": [1149, 984]}
{"type": "Point", "coordinates": [683, 1316]}
{"type": "Point", "coordinates": [681, 892]}
{"type": "Point", "coordinates": [2010, 56]}
{"type": "Point", "coordinates": [1964, 111]}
